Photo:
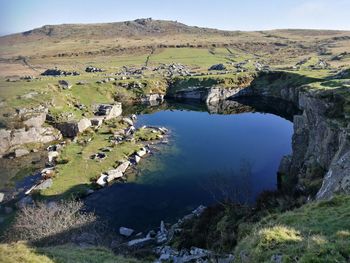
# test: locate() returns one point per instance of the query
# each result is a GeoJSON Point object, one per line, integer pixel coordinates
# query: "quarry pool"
{"type": "Point", "coordinates": [214, 153]}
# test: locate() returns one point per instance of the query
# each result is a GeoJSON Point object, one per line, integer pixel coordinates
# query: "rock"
{"type": "Point", "coordinates": [102, 180]}
{"type": "Point", "coordinates": [25, 201]}
{"type": "Point", "coordinates": [122, 167]}
{"type": "Point", "coordinates": [93, 69]}
{"type": "Point", "coordinates": [135, 159]}
{"type": "Point", "coordinates": [152, 97]}
{"type": "Point", "coordinates": [141, 242]}
{"type": "Point", "coordinates": [113, 174]}
{"type": "Point", "coordinates": [127, 232]}
{"type": "Point", "coordinates": [128, 121]}
{"type": "Point", "coordinates": [34, 120]}
{"type": "Point", "coordinates": [142, 152]}
{"type": "Point", "coordinates": [109, 111]}
{"type": "Point", "coordinates": [10, 139]}
{"type": "Point", "coordinates": [199, 210]}
{"type": "Point", "coordinates": [133, 117]}
{"type": "Point", "coordinates": [129, 131]}
{"type": "Point", "coordinates": [73, 128]}
{"type": "Point", "coordinates": [96, 121]}
{"type": "Point", "coordinates": [2, 197]}
{"type": "Point", "coordinates": [58, 72]}
{"type": "Point", "coordinates": [52, 155]}
{"type": "Point", "coordinates": [217, 67]}
{"type": "Point", "coordinates": [64, 84]}
{"type": "Point", "coordinates": [21, 152]}
{"type": "Point", "coordinates": [162, 235]}
{"type": "Point", "coordinates": [44, 184]}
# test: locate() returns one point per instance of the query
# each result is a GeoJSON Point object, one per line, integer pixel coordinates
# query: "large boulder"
{"type": "Point", "coordinates": [34, 120]}
{"type": "Point", "coordinates": [21, 152]}
{"type": "Point", "coordinates": [218, 67]}
{"type": "Point", "coordinates": [73, 128]}
{"type": "Point", "coordinates": [109, 111]}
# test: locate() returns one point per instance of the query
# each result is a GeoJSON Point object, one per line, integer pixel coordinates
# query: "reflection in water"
{"type": "Point", "coordinates": [203, 163]}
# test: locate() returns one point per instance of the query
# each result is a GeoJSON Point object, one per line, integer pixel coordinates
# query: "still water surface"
{"type": "Point", "coordinates": [207, 153]}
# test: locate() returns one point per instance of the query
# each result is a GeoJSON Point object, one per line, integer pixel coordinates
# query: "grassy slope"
{"type": "Point", "coordinates": [21, 252]}
{"type": "Point", "coordinates": [316, 232]}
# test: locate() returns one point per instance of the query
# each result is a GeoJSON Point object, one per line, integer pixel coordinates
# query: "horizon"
{"type": "Point", "coordinates": [18, 16]}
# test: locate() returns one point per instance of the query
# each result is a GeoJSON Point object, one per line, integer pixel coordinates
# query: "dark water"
{"type": "Point", "coordinates": [208, 154]}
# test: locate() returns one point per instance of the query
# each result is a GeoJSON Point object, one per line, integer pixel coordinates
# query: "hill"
{"type": "Point", "coordinates": [131, 43]}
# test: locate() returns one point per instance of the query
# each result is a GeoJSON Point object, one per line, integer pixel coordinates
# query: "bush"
{"type": "Point", "coordinates": [53, 223]}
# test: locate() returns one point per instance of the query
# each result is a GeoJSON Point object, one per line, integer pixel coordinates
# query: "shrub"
{"type": "Point", "coordinates": [53, 223]}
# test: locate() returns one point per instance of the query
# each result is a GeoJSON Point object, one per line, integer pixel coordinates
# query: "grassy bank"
{"type": "Point", "coordinates": [316, 232]}
{"type": "Point", "coordinates": [22, 252]}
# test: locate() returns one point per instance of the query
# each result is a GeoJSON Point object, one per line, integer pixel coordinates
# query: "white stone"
{"type": "Point", "coordinates": [2, 196]}
{"type": "Point", "coordinates": [113, 174]}
{"type": "Point", "coordinates": [102, 181]}
{"type": "Point", "coordinates": [124, 231]}
{"type": "Point", "coordinates": [142, 152]}
{"type": "Point", "coordinates": [21, 152]}
{"type": "Point", "coordinates": [52, 155]}
{"type": "Point", "coordinates": [128, 121]}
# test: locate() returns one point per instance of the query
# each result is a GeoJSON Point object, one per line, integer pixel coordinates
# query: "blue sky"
{"type": "Point", "coordinates": [21, 15]}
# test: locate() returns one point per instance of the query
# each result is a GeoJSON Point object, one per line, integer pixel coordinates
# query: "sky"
{"type": "Point", "coordinates": [21, 15]}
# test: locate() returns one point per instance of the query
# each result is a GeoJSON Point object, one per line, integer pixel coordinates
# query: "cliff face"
{"type": "Point", "coordinates": [321, 141]}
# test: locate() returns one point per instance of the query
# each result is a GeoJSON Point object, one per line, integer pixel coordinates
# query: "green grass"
{"type": "Point", "coordinates": [21, 252]}
{"type": "Point", "coordinates": [145, 134]}
{"type": "Point", "coordinates": [316, 232]}
{"type": "Point", "coordinates": [77, 174]}
{"type": "Point", "coordinates": [200, 57]}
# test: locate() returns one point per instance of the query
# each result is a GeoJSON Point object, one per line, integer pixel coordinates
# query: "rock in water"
{"type": "Point", "coordinates": [127, 232]}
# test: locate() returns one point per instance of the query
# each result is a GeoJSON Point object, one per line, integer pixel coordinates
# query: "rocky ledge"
{"type": "Point", "coordinates": [321, 140]}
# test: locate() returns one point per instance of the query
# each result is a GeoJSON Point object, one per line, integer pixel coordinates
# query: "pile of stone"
{"type": "Point", "coordinates": [93, 69]}
{"type": "Point", "coordinates": [321, 64]}
{"type": "Point", "coordinates": [33, 131]}
{"type": "Point", "coordinates": [158, 241]}
{"type": "Point", "coordinates": [173, 69]}
{"type": "Point", "coordinates": [261, 67]}
{"type": "Point", "coordinates": [58, 72]}
{"type": "Point", "coordinates": [217, 67]}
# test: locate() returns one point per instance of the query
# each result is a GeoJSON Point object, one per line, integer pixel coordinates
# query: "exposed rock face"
{"type": "Point", "coordinates": [321, 141]}
{"type": "Point", "coordinates": [34, 120]}
{"type": "Point", "coordinates": [71, 129]}
{"type": "Point", "coordinates": [152, 97]}
{"type": "Point", "coordinates": [9, 139]}
{"type": "Point", "coordinates": [208, 95]}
